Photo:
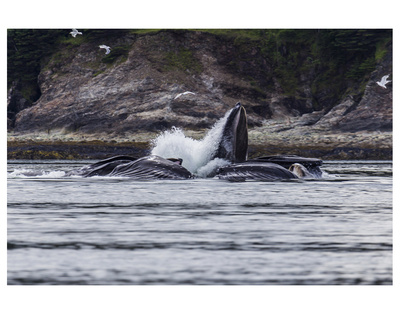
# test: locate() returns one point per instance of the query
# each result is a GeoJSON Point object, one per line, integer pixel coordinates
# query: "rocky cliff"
{"type": "Point", "coordinates": [283, 85]}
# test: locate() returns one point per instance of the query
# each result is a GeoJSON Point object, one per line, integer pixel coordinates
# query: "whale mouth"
{"type": "Point", "coordinates": [234, 141]}
{"type": "Point", "coordinates": [240, 135]}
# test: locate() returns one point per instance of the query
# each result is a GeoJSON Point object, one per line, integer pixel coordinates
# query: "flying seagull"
{"type": "Point", "coordinates": [106, 48]}
{"type": "Point", "coordinates": [184, 93]}
{"type": "Point", "coordinates": [384, 81]}
{"type": "Point", "coordinates": [75, 32]}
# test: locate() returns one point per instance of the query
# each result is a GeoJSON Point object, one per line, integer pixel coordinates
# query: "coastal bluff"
{"type": "Point", "coordinates": [298, 99]}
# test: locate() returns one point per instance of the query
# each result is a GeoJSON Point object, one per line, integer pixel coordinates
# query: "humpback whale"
{"type": "Point", "coordinates": [148, 167]}
{"type": "Point", "coordinates": [231, 140]}
{"type": "Point", "coordinates": [311, 165]}
{"type": "Point", "coordinates": [272, 168]}
{"type": "Point", "coordinates": [265, 171]}
{"type": "Point", "coordinates": [228, 143]}
{"type": "Point", "coordinates": [102, 167]}
{"type": "Point", "coordinates": [152, 167]}
{"type": "Point", "coordinates": [234, 141]}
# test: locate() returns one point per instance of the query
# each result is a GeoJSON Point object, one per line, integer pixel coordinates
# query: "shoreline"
{"type": "Point", "coordinates": [326, 146]}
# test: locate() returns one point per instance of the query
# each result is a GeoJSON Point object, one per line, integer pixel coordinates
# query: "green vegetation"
{"type": "Point", "coordinates": [235, 34]}
{"type": "Point", "coordinates": [381, 48]}
{"type": "Point", "coordinates": [329, 53]}
{"type": "Point", "coordinates": [29, 51]}
{"type": "Point", "coordinates": [337, 61]}
{"type": "Point", "coordinates": [182, 60]}
{"type": "Point", "coordinates": [116, 52]}
{"type": "Point", "coordinates": [26, 48]}
{"type": "Point", "coordinates": [144, 31]}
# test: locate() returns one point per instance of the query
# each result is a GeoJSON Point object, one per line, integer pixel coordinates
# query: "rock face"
{"type": "Point", "coordinates": [137, 93]}
{"type": "Point", "coordinates": [83, 91]}
{"type": "Point", "coordinates": [372, 112]}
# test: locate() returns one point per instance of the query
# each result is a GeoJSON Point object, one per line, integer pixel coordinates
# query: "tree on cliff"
{"type": "Point", "coordinates": [25, 50]}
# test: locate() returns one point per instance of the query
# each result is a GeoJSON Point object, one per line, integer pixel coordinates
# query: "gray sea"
{"type": "Point", "coordinates": [336, 230]}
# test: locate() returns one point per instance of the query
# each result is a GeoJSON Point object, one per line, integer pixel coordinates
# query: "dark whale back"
{"type": "Point", "coordinates": [151, 167]}
{"type": "Point", "coordinates": [311, 164]}
{"type": "Point", "coordinates": [254, 171]}
{"type": "Point", "coordinates": [102, 167]}
{"type": "Point", "coordinates": [148, 167]}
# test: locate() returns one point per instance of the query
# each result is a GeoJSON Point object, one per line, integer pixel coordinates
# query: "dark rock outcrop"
{"type": "Point", "coordinates": [80, 92]}
{"type": "Point", "coordinates": [135, 88]}
{"type": "Point", "coordinates": [16, 102]}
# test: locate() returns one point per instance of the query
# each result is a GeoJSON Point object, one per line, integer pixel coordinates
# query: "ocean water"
{"type": "Point", "coordinates": [62, 230]}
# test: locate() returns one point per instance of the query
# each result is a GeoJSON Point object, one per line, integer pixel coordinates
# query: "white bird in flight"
{"type": "Point", "coordinates": [75, 32]}
{"type": "Point", "coordinates": [184, 93]}
{"type": "Point", "coordinates": [384, 81]}
{"type": "Point", "coordinates": [106, 48]}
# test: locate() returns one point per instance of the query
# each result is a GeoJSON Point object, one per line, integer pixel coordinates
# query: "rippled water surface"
{"type": "Point", "coordinates": [89, 231]}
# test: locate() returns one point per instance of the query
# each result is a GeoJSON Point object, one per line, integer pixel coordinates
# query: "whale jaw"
{"type": "Point", "coordinates": [234, 141]}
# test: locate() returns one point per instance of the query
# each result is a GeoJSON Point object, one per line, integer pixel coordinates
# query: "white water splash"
{"type": "Point", "coordinates": [196, 154]}
{"type": "Point", "coordinates": [26, 173]}
{"type": "Point", "coordinates": [326, 175]}
{"type": "Point", "coordinates": [211, 167]}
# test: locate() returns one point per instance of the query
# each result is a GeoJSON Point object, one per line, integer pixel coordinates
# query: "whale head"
{"type": "Point", "coordinates": [234, 139]}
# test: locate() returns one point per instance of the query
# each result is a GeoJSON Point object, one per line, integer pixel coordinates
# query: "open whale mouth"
{"type": "Point", "coordinates": [240, 135]}
{"type": "Point", "coordinates": [234, 140]}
